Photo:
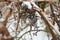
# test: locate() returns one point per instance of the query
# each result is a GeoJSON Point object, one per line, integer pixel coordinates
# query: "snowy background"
{"type": "Point", "coordinates": [40, 35]}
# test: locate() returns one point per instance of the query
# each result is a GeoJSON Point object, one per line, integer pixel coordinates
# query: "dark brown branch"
{"type": "Point", "coordinates": [19, 15]}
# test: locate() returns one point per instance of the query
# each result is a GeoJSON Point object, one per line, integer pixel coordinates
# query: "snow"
{"type": "Point", "coordinates": [40, 23]}
{"type": "Point", "coordinates": [27, 4]}
{"type": "Point", "coordinates": [2, 19]}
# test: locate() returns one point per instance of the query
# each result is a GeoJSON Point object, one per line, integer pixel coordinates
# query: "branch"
{"type": "Point", "coordinates": [47, 22]}
{"type": "Point", "coordinates": [19, 15]}
{"type": "Point", "coordinates": [3, 29]}
{"type": "Point", "coordinates": [28, 32]}
{"type": "Point", "coordinates": [55, 18]}
{"type": "Point", "coordinates": [6, 16]}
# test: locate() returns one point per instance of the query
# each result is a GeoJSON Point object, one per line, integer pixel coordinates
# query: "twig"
{"type": "Point", "coordinates": [28, 32]}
